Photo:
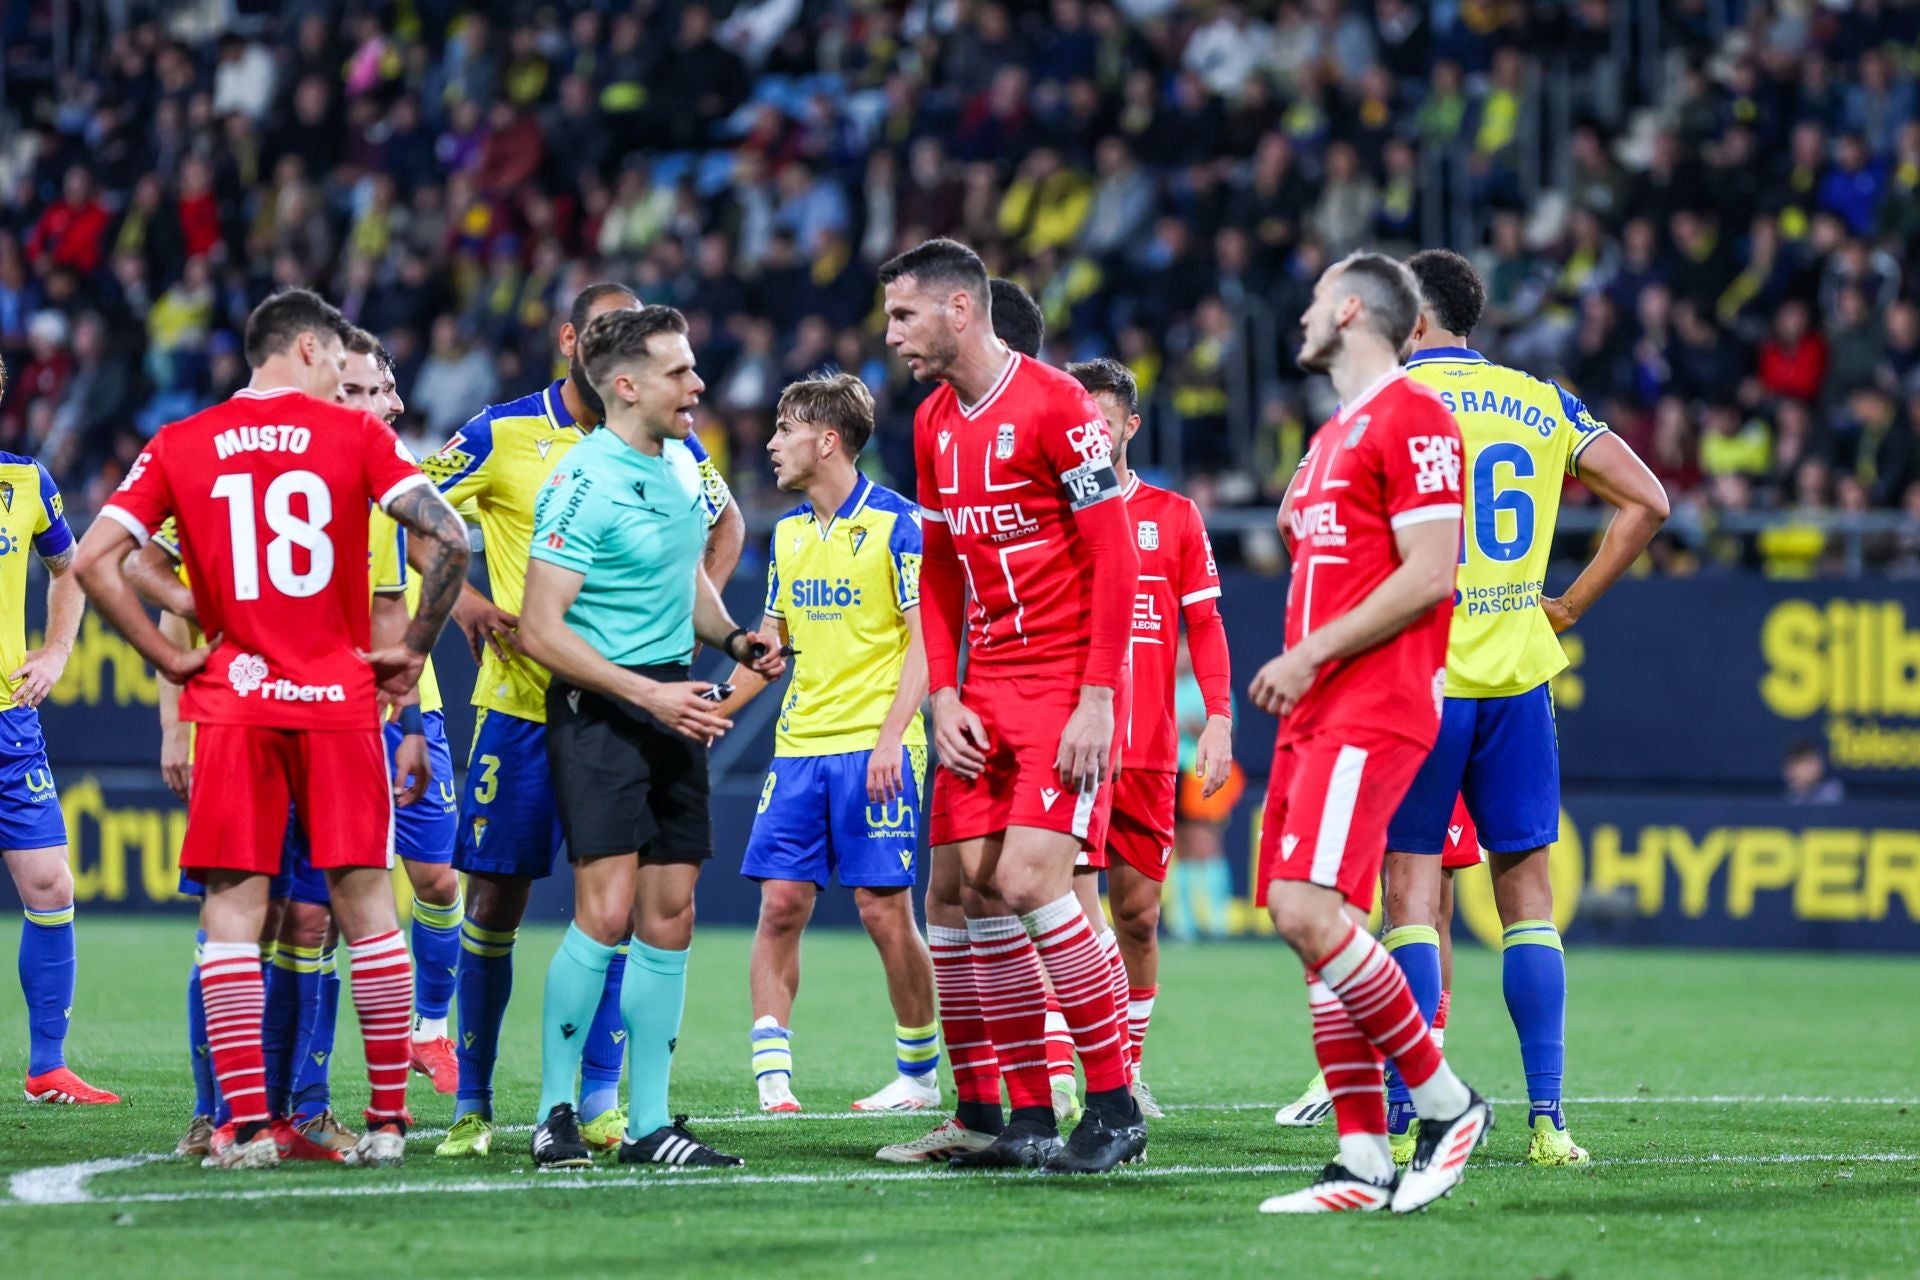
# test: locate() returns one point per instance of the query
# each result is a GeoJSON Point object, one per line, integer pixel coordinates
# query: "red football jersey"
{"type": "Point", "coordinates": [271, 492]}
{"type": "Point", "coordinates": [1005, 476]}
{"type": "Point", "coordinates": [1177, 574]}
{"type": "Point", "coordinates": [1388, 460]}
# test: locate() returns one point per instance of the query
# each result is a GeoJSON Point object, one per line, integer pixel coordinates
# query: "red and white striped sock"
{"type": "Point", "coordinates": [1059, 1042]}
{"type": "Point", "coordinates": [1082, 980]}
{"type": "Point", "coordinates": [1013, 1003]}
{"type": "Point", "coordinates": [1376, 996]}
{"type": "Point", "coordinates": [1440, 1019]}
{"type": "Point", "coordinates": [383, 997]}
{"type": "Point", "coordinates": [1117, 971]}
{"type": "Point", "coordinates": [235, 995]}
{"type": "Point", "coordinates": [1139, 1014]}
{"type": "Point", "coordinates": [976, 1072]}
{"type": "Point", "coordinates": [1352, 1069]}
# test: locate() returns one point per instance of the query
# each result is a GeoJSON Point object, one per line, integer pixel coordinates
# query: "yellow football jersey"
{"type": "Point", "coordinates": [1522, 437]}
{"type": "Point", "coordinates": [492, 470]}
{"type": "Point", "coordinates": [31, 514]}
{"type": "Point", "coordinates": [843, 589]}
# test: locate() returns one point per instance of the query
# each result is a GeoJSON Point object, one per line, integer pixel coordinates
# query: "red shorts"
{"type": "Point", "coordinates": [1020, 786]}
{"type": "Point", "coordinates": [245, 776]}
{"type": "Point", "coordinates": [1463, 841]}
{"type": "Point", "coordinates": [1141, 830]}
{"type": "Point", "coordinates": [1329, 799]}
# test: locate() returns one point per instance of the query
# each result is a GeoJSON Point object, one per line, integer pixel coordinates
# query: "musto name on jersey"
{"type": "Point", "coordinates": [262, 440]}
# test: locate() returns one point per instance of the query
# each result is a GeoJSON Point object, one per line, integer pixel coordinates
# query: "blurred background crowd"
{"type": "Point", "coordinates": [1701, 215]}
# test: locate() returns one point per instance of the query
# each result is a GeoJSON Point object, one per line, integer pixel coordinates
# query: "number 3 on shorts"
{"type": "Point", "coordinates": [489, 780]}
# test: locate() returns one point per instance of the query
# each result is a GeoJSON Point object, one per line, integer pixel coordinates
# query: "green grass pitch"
{"type": "Point", "coordinates": [1750, 1115]}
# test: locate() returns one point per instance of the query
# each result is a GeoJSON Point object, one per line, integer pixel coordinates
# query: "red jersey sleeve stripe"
{"type": "Point", "coordinates": [1421, 515]}
{"type": "Point", "coordinates": [1195, 597]}
{"type": "Point", "coordinates": [128, 521]}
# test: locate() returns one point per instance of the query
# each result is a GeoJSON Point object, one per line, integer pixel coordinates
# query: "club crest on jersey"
{"type": "Point", "coordinates": [1149, 535]}
{"type": "Point", "coordinates": [6, 494]}
{"type": "Point", "coordinates": [1003, 443]}
{"type": "Point", "coordinates": [859, 536]}
{"type": "Point", "coordinates": [1358, 429]}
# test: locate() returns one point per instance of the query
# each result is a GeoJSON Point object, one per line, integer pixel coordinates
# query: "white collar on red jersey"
{"type": "Point", "coordinates": [993, 393]}
{"type": "Point", "coordinates": [248, 393]}
{"type": "Point", "coordinates": [1133, 484]}
{"type": "Point", "coordinates": [1380, 384]}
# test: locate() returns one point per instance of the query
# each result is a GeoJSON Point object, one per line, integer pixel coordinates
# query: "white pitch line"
{"type": "Point", "coordinates": [586, 1181]}
{"type": "Point", "coordinates": [67, 1183]}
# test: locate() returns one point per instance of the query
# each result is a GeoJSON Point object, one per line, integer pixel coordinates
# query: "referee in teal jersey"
{"type": "Point", "coordinates": [615, 600]}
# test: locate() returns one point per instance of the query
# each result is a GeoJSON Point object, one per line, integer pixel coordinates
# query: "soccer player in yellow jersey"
{"type": "Point", "coordinates": [1496, 744]}
{"type": "Point", "coordinates": [843, 795]}
{"type": "Point", "coordinates": [33, 835]}
{"type": "Point", "coordinates": [492, 470]}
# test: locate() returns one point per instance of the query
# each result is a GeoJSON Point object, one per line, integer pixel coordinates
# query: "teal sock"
{"type": "Point", "coordinates": [651, 1000]}
{"type": "Point", "coordinates": [1218, 884]}
{"type": "Point", "coordinates": [574, 980]}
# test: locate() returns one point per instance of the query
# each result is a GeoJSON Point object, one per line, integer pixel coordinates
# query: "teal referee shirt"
{"type": "Point", "coordinates": [634, 527]}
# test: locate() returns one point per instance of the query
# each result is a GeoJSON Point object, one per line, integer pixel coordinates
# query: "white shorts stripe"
{"type": "Point", "coordinates": [1083, 809]}
{"type": "Point", "coordinates": [1336, 815]}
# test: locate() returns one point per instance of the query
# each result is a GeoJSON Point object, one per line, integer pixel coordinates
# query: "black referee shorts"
{"type": "Point", "coordinates": [625, 782]}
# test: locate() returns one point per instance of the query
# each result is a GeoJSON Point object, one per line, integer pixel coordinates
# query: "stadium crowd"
{"type": "Point", "coordinates": [1720, 252]}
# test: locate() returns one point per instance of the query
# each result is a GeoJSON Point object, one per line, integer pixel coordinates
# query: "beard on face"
{"type": "Point", "coordinates": [1319, 359]}
{"type": "Point", "coordinates": [577, 375]}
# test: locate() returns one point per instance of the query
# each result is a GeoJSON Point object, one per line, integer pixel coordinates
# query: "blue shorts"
{"type": "Point", "coordinates": [30, 816]}
{"type": "Point", "coordinates": [814, 822]}
{"type": "Point", "coordinates": [1503, 756]}
{"type": "Point", "coordinates": [424, 830]}
{"type": "Point", "coordinates": [297, 878]}
{"type": "Point", "coordinates": [509, 821]}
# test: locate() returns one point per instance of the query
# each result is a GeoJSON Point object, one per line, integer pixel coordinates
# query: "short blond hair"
{"type": "Point", "coordinates": [838, 402]}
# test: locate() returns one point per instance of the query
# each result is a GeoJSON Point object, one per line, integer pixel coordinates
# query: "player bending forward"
{"type": "Point", "coordinates": [283, 700]}
{"type": "Point", "coordinates": [1373, 523]}
{"type": "Point", "coordinates": [1023, 511]}
{"type": "Point", "coordinates": [1178, 581]}
{"type": "Point", "coordinates": [843, 794]}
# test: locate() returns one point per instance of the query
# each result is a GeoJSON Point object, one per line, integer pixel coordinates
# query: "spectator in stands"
{"type": "Point", "coordinates": [1804, 770]}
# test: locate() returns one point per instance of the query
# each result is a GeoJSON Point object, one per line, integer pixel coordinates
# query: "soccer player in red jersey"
{"type": "Point", "coordinates": [270, 490]}
{"type": "Point", "coordinates": [1178, 581]}
{"type": "Point", "coordinates": [1373, 523]}
{"type": "Point", "coordinates": [1028, 547]}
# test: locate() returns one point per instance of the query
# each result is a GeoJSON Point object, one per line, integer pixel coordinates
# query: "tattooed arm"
{"type": "Point", "coordinates": [437, 541]}
{"type": "Point", "coordinates": [65, 603]}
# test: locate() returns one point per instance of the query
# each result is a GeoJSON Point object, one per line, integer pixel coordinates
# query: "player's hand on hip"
{"type": "Point", "coordinates": [396, 669]}
{"type": "Point", "coordinates": [176, 760]}
{"type": "Point", "coordinates": [1086, 745]}
{"type": "Point", "coordinates": [959, 735]}
{"type": "Point", "coordinates": [412, 770]}
{"type": "Point", "coordinates": [885, 778]}
{"type": "Point", "coordinates": [680, 707]}
{"type": "Point", "coordinates": [486, 626]}
{"type": "Point", "coordinates": [1280, 685]}
{"type": "Point", "coordinates": [1558, 613]}
{"type": "Point", "coordinates": [36, 676]}
{"type": "Point", "coordinates": [183, 665]}
{"type": "Point", "coordinates": [1213, 758]}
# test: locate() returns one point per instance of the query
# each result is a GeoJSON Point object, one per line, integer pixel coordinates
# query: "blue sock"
{"type": "Point", "coordinates": [1534, 973]}
{"type": "Point", "coordinates": [293, 988]}
{"type": "Point", "coordinates": [313, 1067]}
{"type": "Point", "coordinates": [576, 985]}
{"type": "Point", "coordinates": [435, 936]}
{"type": "Point", "coordinates": [205, 1095]}
{"type": "Point", "coordinates": [46, 978]}
{"type": "Point", "coordinates": [485, 983]}
{"type": "Point", "coordinates": [1416, 949]}
{"type": "Point", "coordinates": [606, 1047]}
{"type": "Point", "coordinates": [1178, 918]}
{"type": "Point", "coordinates": [652, 997]}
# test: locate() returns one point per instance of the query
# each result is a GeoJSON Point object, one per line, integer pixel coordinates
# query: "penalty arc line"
{"type": "Point", "coordinates": [73, 1181]}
